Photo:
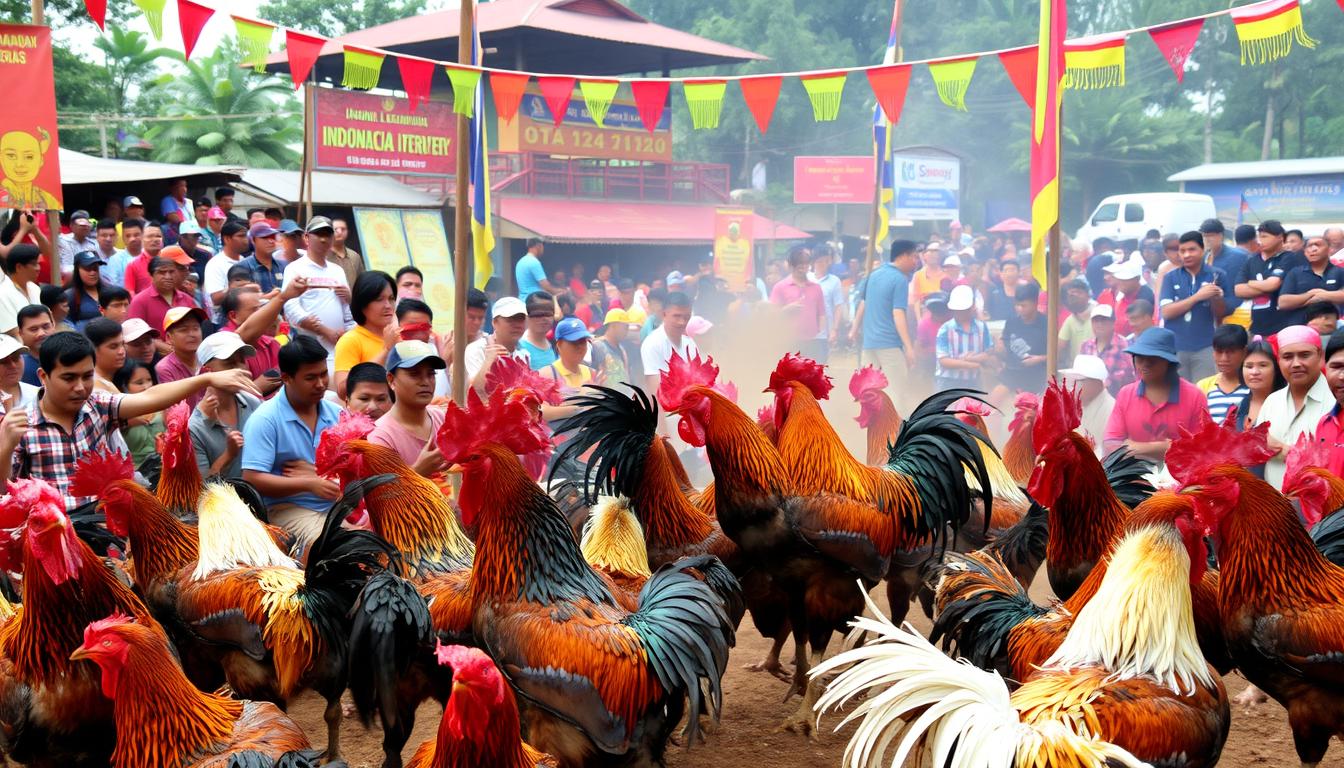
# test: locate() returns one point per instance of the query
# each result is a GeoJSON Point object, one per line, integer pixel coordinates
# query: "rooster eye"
{"type": "Point", "coordinates": [107, 643]}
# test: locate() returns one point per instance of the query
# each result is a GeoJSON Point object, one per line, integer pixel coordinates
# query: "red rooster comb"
{"type": "Point", "coordinates": [805, 371]}
{"type": "Point", "coordinates": [1193, 454]}
{"type": "Point", "coordinates": [866, 379]}
{"type": "Point", "coordinates": [509, 423]}
{"type": "Point", "coordinates": [24, 499]}
{"type": "Point", "coordinates": [1061, 412]}
{"type": "Point", "coordinates": [95, 471]}
{"type": "Point", "coordinates": [511, 374]}
{"type": "Point", "coordinates": [972, 405]}
{"type": "Point", "coordinates": [1024, 411]}
{"type": "Point", "coordinates": [96, 629]}
{"type": "Point", "coordinates": [765, 417]}
{"type": "Point", "coordinates": [728, 389]}
{"type": "Point", "coordinates": [1309, 488]}
{"type": "Point", "coordinates": [681, 376]}
{"type": "Point", "coordinates": [351, 426]}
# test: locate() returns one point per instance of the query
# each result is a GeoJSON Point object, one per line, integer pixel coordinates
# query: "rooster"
{"type": "Point", "coordinates": [1018, 455]}
{"type": "Point", "coordinates": [911, 494]}
{"type": "Point", "coordinates": [878, 416]}
{"type": "Point", "coordinates": [180, 483]}
{"type": "Point", "coordinates": [629, 459]}
{"type": "Point", "coordinates": [814, 546]}
{"type": "Point", "coordinates": [1128, 686]}
{"type": "Point", "coordinates": [601, 685]}
{"type": "Point", "coordinates": [1319, 493]}
{"type": "Point", "coordinates": [162, 720]}
{"type": "Point", "coordinates": [1281, 600]}
{"type": "Point", "coordinates": [613, 544]}
{"type": "Point", "coordinates": [480, 723]}
{"type": "Point", "coordinates": [52, 710]}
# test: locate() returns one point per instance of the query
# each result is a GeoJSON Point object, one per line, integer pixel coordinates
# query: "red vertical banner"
{"type": "Point", "coordinates": [1045, 131]}
{"type": "Point", "coordinates": [30, 171]}
{"type": "Point", "coordinates": [733, 246]}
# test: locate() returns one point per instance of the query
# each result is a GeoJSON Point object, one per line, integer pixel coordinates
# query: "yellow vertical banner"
{"type": "Point", "coordinates": [382, 238]}
{"type": "Point", "coordinates": [432, 255]}
{"type": "Point", "coordinates": [733, 246]}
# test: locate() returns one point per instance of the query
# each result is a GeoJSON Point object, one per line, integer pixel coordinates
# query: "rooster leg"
{"type": "Point", "coordinates": [333, 717]}
{"type": "Point", "coordinates": [798, 683]}
{"type": "Point", "coordinates": [771, 661]}
{"type": "Point", "coordinates": [803, 720]}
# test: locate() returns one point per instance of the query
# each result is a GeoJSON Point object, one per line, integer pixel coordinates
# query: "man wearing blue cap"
{"type": "Point", "coordinates": [1151, 411]}
{"type": "Point", "coordinates": [409, 427]}
{"type": "Point", "coordinates": [265, 263]}
{"type": "Point", "coordinates": [571, 345]}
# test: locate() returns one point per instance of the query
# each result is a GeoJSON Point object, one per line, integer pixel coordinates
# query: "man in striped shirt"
{"type": "Point", "coordinates": [964, 347]}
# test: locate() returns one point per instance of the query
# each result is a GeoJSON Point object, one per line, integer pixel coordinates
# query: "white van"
{"type": "Point", "coordinates": [1129, 217]}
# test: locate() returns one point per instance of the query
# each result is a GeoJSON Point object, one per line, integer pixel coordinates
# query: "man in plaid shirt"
{"type": "Point", "coordinates": [72, 419]}
{"type": "Point", "coordinates": [1110, 347]}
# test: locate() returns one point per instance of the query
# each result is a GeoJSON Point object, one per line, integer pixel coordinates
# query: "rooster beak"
{"type": "Point", "coordinates": [80, 653]}
{"type": "Point", "coordinates": [455, 469]}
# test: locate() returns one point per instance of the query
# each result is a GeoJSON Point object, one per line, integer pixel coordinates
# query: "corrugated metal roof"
{"type": "Point", "coordinates": [1261, 169]}
{"type": "Point", "coordinates": [365, 190]}
{"type": "Point", "coordinates": [79, 168]}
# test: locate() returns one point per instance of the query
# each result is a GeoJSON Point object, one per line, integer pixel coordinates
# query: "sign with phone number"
{"type": "Point", "coordinates": [622, 135]}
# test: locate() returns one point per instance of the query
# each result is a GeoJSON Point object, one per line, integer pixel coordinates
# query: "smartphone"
{"type": "Point", "coordinates": [273, 373]}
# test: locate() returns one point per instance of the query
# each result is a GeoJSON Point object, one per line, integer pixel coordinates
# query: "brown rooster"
{"type": "Point", "coordinates": [180, 483]}
{"type": "Point", "coordinates": [480, 722]}
{"type": "Point", "coordinates": [601, 685]}
{"type": "Point", "coordinates": [52, 709]}
{"type": "Point", "coordinates": [877, 414]}
{"type": "Point", "coordinates": [162, 720]}
{"type": "Point", "coordinates": [1018, 454]}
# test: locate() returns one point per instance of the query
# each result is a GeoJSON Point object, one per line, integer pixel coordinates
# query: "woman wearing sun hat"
{"type": "Point", "coordinates": [1150, 412]}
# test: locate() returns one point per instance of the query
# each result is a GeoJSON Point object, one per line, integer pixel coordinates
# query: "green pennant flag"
{"type": "Point", "coordinates": [952, 79]}
{"type": "Point", "coordinates": [598, 95]}
{"type": "Point", "coordinates": [465, 82]}
{"type": "Point", "coordinates": [153, 10]}
{"type": "Point", "coordinates": [254, 37]}
{"type": "Point", "coordinates": [824, 91]}
{"type": "Point", "coordinates": [704, 98]}
{"type": "Point", "coordinates": [361, 68]}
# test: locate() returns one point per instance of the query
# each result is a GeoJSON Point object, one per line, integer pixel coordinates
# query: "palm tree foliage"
{"type": "Point", "coordinates": [203, 93]}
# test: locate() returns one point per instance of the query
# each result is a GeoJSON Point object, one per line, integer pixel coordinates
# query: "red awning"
{"type": "Point", "coordinates": [602, 221]}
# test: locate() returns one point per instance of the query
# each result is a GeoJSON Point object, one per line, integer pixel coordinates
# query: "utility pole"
{"type": "Point", "coordinates": [461, 220]}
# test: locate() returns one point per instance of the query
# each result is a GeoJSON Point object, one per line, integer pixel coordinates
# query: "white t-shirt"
{"type": "Point", "coordinates": [474, 356]}
{"type": "Point", "coordinates": [217, 273]}
{"type": "Point", "coordinates": [320, 300]}
{"type": "Point", "coordinates": [656, 351]}
{"type": "Point", "coordinates": [12, 300]}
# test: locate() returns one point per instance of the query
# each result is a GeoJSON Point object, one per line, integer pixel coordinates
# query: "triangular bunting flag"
{"type": "Point", "coordinates": [889, 86]}
{"type": "Point", "coordinates": [254, 38]}
{"type": "Point", "coordinates": [1177, 42]}
{"type": "Point", "coordinates": [824, 91]}
{"type": "Point", "coordinates": [302, 51]}
{"type": "Point", "coordinates": [1095, 62]}
{"type": "Point", "coordinates": [704, 99]}
{"type": "Point", "coordinates": [650, 100]}
{"type": "Point", "coordinates": [464, 83]}
{"type": "Point", "coordinates": [952, 78]}
{"type": "Point", "coordinates": [598, 94]}
{"type": "Point", "coordinates": [362, 68]}
{"type": "Point", "coordinates": [191, 17]}
{"type": "Point", "coordinates": [761, 95]}
{"type": "Point", "coordinates": [417, 76]}
{"type": "Point", "coordinates": [1268, 30]}
{"type": "Point", "coordinates": [1021, 68]}
{"type": "Point", "coordinates": [557, 91]}
{"type": "Point", "coordinates": [508, 90]}
{"type": "Point", "coordinates": [153, 10]}
{"type": "Point", "coordinates": [98, 12]}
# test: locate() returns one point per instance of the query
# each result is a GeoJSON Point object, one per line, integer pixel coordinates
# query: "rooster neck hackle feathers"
{"type": "Point", "coordinates": [180, 481]}
{"type": "Point", "coordinates": [161, 543]}
{"type": "Point", "coordinates": [230, 537]}
{"type": "Point", "coordinates": [613, 540]}
{"type": "Point", "coordinates": [734, 441]}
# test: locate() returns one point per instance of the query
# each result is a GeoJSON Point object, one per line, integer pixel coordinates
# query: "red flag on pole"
{"type": "Point", "coordinates": [1045, 131]}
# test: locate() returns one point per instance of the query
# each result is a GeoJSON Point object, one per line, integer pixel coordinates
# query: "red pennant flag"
{"type": "Point", "coordinates": [761, 94]}
{"type": "Point", "coordinates": [508, 89]}
{"type": "Point", "coordinates": [1021, 68]}
{"type": "Point", "coordinates": [889, 86]}
{"type": "Point", "coordinates": [302, 51]}
{"type": "Point", "coordinates": [651, 99]}
{"type": "Point", "coordinates": [1176, 42]}
{"type": "Point", "coordinates": [557, 91]}
{"type": "Point", "coordinates": [192, 17]}
{"type": "Point", "coordinates": [416, 76]}
{"type": "Point", "coordinates": [98, 12]}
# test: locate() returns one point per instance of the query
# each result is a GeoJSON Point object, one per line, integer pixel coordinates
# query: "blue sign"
{"type": "Point", "coordinates": [1294, 200]}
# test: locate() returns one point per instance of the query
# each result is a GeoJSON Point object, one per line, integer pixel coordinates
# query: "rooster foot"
{"type": "Point", "coordinates": [1250, 697]}
{"type": "Point", "coordinates": [801, 723]}
{"type": "Point", "coordinates": [773, 667]}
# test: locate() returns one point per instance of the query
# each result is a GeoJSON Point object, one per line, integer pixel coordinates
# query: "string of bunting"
{"type": "Point", "coordinates": [1266, 31]}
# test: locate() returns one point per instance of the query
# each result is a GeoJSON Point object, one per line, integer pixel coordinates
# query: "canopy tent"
{"type": "Point", "coordinates": [89, 182]}
{"type": "Point", "coordinates": [266, 186]}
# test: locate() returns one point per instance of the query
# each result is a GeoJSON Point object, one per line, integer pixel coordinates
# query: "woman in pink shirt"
{"type": "Point", "coordinates": [1150, 412]}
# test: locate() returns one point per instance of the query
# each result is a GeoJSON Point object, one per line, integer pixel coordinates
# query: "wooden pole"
{"type": "Point", "coordinates": [461, 219]}
{"type": "Point", "coordinates": [305, 210]}
{"type": "Point", "coordinates": [1052, 301]}
{"type": "Point", "coordinates": [53, 217]}
{"type": "Point", "coordinates": [876, 219]}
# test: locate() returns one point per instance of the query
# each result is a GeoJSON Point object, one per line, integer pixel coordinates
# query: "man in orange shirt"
{"type": "Point", "coordinates": [929, 278]}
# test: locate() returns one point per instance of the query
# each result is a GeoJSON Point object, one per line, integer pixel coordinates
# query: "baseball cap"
{"type": "Point", "coordinates": [410, 353]}
{"type": "Point", "coordinates": [967, 251]}
{"type": "Point", "coordinates": [177, 255]}
{"type": "Point", "coordinates": [317, 224]}
{"type": "Point", "coordinates": [177, 313]}
{"type": "Point", "coordinates": [1086, 367]}
{"type": "Point", "coordinates": [636, 315]}
{"type": "Point", "coordinates": [1129, 269]}
{"type": "Point", "coordinates": [221, 345]}
{"type": "Point", "coordinates": [952, 261]}
{"type": "Point", "coordinates": [135, 327]}
{"type": "Point", "coordinates": [698, 325]}
{"type": "Point", "coordinates": [130, 200]}
{"type": "Point", "coordinates": [88, 259]}
{"type": "Point", "coordinates": [962, 297]}
{"type": "Point", "coordinates": [936, 297]}
{"type": "Point", "coordinates": [509, 306]}
{"type": "Point", "coordinates": [188, 227]}
{"type": "Point", "coordinates": [596, 284]}
{"type": "Point", "coordinates": [616, 315]}
{"type": "Point", "coordinates": [675, 278]}
{"type": "Point", "coordinates": [571, 329]}
{"type": "Point", "coordinates": [933, 246]}
{"type": "Point", "coordinates": [8, 345]}
{"type": "Point", "coordinates": [290, 227]}
{"type": "Point", "coordinates": [1103, 310]}
{"type": "Point", "coordinates": [77, 215]}
{"type": "Point", "coordinates": [262, 229]}
{"type": "Point", "coordinates": [216, 213]}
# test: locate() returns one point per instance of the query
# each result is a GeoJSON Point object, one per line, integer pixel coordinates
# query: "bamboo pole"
{"type": "Point", "coordinates": [461, 218]}
{"type": "Point", "coordinates": [305, 209]}
{"type": "Point", "coordinates": [876, 219]}
{"type": "Point", "coordinates": [1052, 300]}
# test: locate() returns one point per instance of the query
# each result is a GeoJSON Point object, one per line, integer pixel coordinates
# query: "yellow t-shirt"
{"type": "Point", "coordinates": [1207, 384]}
{"type": "Point", "coordinates": [572, 379]}
{"type": "Point", "coordinates": [357, 345]}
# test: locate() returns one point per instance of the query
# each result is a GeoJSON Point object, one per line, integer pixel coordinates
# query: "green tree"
{"type": "Point", "coordinates": [335, 19]}
{"type": "Point", "coordinates": [225, 114]}
{"type": "Point", "coordinates": [130, 62]}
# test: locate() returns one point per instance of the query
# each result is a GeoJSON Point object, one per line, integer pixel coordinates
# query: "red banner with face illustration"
{"type": "Point", "coordinates": [30, 170]}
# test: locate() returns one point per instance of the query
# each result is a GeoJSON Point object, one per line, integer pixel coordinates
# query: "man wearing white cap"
{"type": "Point", "coordinates": [14, 393]}
{"type": "Point", "coordinates": [1110, 347]}
{"type": "Point", "coordinates": [216, 425]}
{"type": "Point", "coordinates": [139, 337]}
{"type": "Point", "coordinates": [1126, 288]}
{"type": "Point", "coordinates": [1089, 373]}
{"type": "Point", "coordinates": [510, 321]}
{"type": "Point", "coordinates": [963, 346]}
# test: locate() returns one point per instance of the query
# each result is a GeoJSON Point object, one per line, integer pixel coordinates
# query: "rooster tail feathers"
{"type": "Point", "coordinates": [1022, 547]}
{"type": "Point", "coordinates": [1127, 474]}
{"type": "Point", "coordinates": [936, 450]}
{"type": "Point", "coordinates": [686, 635]}
{"type": "Point", "coordinates": [979, 604]}
{"type": "Point", "coordinates": [622, 427]}
{"type": "Point", "coordinates": [724, 584]}
{"type": "Point", "coordinates": [920, 702]}
{"type": "Point", "coordinates": [391, 629]}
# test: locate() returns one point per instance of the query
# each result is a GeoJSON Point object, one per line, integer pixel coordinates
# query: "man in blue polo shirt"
{"type": "Point", "coordinates": [1192, 303]}
{"type": "Point", "coordinates": [887, 341]}
{"type": "Point", "coordinates": [529, 275]}
{"type": "Point", "coordinates": [280, 442]}
{"type": "Point", "coordinates": [1261, 279]}
{"type": "Point", "coordinates": [1317, 280]}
